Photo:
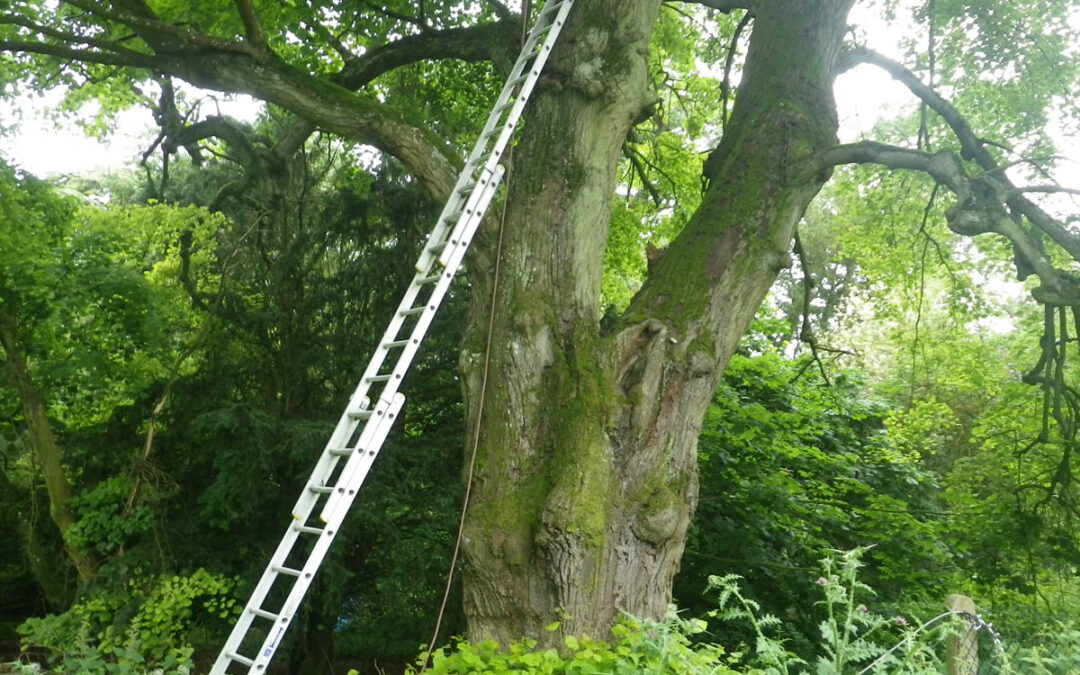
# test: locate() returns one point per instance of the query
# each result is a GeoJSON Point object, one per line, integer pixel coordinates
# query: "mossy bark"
{"type": "Point", "coordinates": [586, 476]}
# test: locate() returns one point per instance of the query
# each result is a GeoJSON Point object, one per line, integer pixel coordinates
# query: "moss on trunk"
{"type": "Point", "coordinates": [587, 477]}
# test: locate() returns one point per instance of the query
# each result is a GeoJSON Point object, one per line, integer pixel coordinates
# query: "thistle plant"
{"type": "Point", "coordinates": [854, 638]}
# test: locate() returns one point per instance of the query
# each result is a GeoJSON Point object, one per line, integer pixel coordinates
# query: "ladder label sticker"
{"type": "Point", "coordinates": [270, 647]}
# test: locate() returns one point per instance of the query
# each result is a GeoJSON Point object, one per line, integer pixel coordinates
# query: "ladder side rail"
{"type": "Point", "coordinates": [477, 203]}
{"type": "Point", "coordinates": [382, 426]}
{"type": "Point", "coordinates": [324, 467]}
{"type": "Point", "coordinates": [358, 464]}
{"type": "Point", "coordinates": [475, 187]}
{"type": "Point", "coordinates": [423, 322]}
{"type": "Point", "coordinates": [255, 600]}
{"type": "Point", "coordinates": [278, 560]}
{"type": "Point", "coordinates": [345, 428]}
{"type": "Point", "coordinates": [389, 335]}
{"type": "Point", "coordinates": [481, 147]}
{"type": "Point", "coordinates": [364, 443]}
{"type": "Point", "coordinates": [473, 209]}
{"type": "Point", "coordinates": [521, 98]}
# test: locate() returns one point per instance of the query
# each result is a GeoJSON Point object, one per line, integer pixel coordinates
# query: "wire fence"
{"type": "Point", "coordinates": [977, 648]}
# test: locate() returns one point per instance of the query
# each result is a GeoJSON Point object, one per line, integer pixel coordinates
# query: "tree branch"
{"type": "Point", "coordinates": [161, 36]}
{"type": "Point", "coordinates": [724, 6]}
{"type": "Point", "coordinates": [495, 42]}
{"type": "Point", "coordinates": [806, 331]}
{"type": "Point", "coordinates": [973, 147]}
{"type": "Point", "coordinates": [70, 38]}
{"type": "Point", "coordinates": [1043, 189]}
{"type": "Point", "coordinates": [729, 61]}
{"type": "Point", "coordinates": [981, 208]}
{"type": "Point", "coordinates": [243, 66]}
{"type": "Point", "coordinates": [316, 28]}
{"type": "Point", "coordinates": [635, 161]}
{"type": "Point", "coordinates": [355, 116]}
{"type": "Point", "coordinates": [128, 58]}
{"type": "Point", "coordinates": [252, 28]}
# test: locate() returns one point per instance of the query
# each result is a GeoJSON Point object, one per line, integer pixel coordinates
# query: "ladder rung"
{"type": "Point", "coordinates": [423, 281]}
{"type": "Point", "coordinates": [551, 8]}
{"type": "Point", "coordinates": [324, 489]}
{"type": "Point", "coordinates": [241, 659]}
{"type": "Point", "coordinates": [412, 311]}
{"type": "Point", "coordinates": [538, 32]}
{"type": "Point", "coordinates": [264, 614]}
{"type": "Point", "coordinates": [281, 569]}
{"type": "Point", "coordinates": [341, 452]}
{"type": "Point", "coordinates": [508, 104]}
{"type": "Point", "coordinates": [380, 378]}
{"type": "Point", "coordinates": [307, 529]}
{"type": "Point", "coordinates": [469, 187]}
{"type": "Point", "coordinates": [359, 414]}
{"type": "Point", "coordinates": [393, 344]}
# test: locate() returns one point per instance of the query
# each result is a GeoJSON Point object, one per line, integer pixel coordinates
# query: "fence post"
{"type": "Point", "coordinates": [962, 650]}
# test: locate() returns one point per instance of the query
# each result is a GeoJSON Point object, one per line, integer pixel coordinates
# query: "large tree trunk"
{"type": "Point", "coordinates": [586, 477]}
{"type": "Point", "coordinates": [43, 443]}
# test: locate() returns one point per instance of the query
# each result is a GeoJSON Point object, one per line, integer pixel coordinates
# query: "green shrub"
{"type": "Point", "coordinates": [135, 630]}
{"type": "Point", "coordinates": [854, 640]}
{"type": "Point", "coordinates": [637, 646]}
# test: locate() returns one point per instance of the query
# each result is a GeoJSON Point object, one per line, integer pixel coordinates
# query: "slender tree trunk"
{"type": "Point", "coordinates": [586, 475]}
{"type": "Point", "coordinates": [43, 443]}
{"type": "Point", "coordinates": [49, 577]}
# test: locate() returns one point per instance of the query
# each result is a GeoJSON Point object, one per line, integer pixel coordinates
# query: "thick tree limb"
{"type": "Point", "coordinates": [131, 59]}
{"type": "Point", "coordinates": [721, 5]}
{"type": "Point", "coordinates": [492, 42]}
{"type": "Point", "coordinates": [219, 127]}
{"type": "Point", "coordinates": [970, 144]}
{"type": "Point", "coordinates": [355, 116]}
{"type": "Point", "coordinates": [972, 147]}
{"type": "Point", "coordinates": [495, 42]}
{"type": "Point", "coordinates": [981, 208]}
{"type": "Point", "coordinates": [242, 66]}
{"type": "Point", "coordinates": [1043, 189]}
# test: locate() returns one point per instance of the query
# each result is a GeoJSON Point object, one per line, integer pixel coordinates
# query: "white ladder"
{"type": "Point", "coordinates": [363, 427]}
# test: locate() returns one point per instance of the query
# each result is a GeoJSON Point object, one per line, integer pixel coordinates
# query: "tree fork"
{"type": "Point", "coordinates": [587, 474]}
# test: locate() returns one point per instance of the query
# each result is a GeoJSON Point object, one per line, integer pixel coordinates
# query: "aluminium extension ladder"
{"type": "Point", "coordinates": [363, 427]}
